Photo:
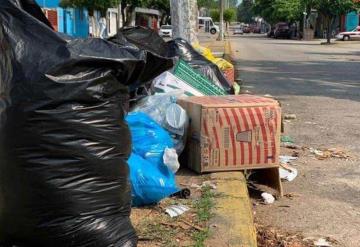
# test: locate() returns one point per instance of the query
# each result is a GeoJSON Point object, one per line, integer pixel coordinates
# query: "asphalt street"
{"type": "Point", "coordinates": [321, 85]}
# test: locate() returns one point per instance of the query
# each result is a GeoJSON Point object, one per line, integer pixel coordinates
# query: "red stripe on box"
{"type": "Point", "coordinates": [238, 130]}
{"type": "Point", "coordinates": [260, 115]}
{"type": "Point", "coordinates": [246, 124]}
{"type": "Point", "coordinates": [231, 135]}
{"type": "Point", "coordinates": [253, 122]}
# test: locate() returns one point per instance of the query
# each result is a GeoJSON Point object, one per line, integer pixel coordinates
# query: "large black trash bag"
{"type": "Point", "coordinates": [151, 43]}
{"type": "Point", "coordinates": [31, 7]}
{"type": "Point", "coordinates": [63, 139]}
{"type": "Point", "coordinates": [181, 48]}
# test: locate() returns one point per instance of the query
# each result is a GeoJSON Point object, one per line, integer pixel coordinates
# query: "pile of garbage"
{"type": "Point", "coordinates": [89, 127]}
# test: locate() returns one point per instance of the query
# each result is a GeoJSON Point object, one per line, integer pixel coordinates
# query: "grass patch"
{"type": "Point", "coordinates": [203, 207]}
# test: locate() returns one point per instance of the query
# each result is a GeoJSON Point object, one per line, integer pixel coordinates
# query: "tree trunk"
{"type": "Point", "coordinates": [328, 35]}
{"type": "Point", "coordinates": [123, 6]}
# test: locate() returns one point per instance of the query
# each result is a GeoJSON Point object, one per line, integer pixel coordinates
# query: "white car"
{"type": "Point", "coordinates": [352, 35]}
{"type": "Point", "coordinates": [165, 31]}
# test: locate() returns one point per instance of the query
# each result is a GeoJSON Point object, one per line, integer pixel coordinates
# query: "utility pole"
{"type": "Point", "coordinates": [304, 24]}
{"type": "Point", "coordinates": [221, 33]}
{"type": "Point", "coordinates": [119, 18]}
{"type": "Point", "coordinates": [184, 19]}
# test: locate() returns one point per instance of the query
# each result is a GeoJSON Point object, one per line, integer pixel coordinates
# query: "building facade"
{"type": "Point", "coordinates": [71, 21]}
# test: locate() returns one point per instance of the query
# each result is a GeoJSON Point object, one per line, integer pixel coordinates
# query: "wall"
{"type": "Point", "coordinates": [74, 22]}
{"type": "Point", "coordinates": [351, 21]}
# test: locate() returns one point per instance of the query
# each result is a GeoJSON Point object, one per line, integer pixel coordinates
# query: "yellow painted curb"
{"type": "Point", "coordinates": [233, 223]}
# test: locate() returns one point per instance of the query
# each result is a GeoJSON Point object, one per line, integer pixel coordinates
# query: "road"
{"type": "Point", "coordinates": [321, 85]}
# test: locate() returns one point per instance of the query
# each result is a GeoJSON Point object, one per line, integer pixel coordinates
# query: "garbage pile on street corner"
{"type": "Point", "coordinates": [91, 127]}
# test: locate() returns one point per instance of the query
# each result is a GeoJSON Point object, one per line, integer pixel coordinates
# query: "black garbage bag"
{"type": "Point", "coordinates": [148, 40]}
{"type": "Point", "coordinates": [151, 43]}
{"type": "Point", "coordinates": [64, 143]}
{"type": "Point", "coordinates": [181, 48]}
{"type": "Point", "coordinates": [31, 7]}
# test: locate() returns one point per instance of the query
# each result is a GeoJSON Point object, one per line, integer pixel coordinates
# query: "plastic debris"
{"type": "Point", "coordinates": [196, 80]}
{"type": "Point", "coordinates": [168, 83]}
{"type": "Point", "coordinates": [286, 139]}
{"type": "Point", "coordinates": [287, 173]}
{"type": "Point", "coordinates": [268, 198]}
{"type": "Point", "coordinates": [151, 179]}
{"type": "Point", "coordinates": [176, 210]}
{"type": "Point", "coordinates": [289, 116]}
{"type": "Point", "coordinates": [204, 184]}
{"type": "Point", "coordinates": [162, 108]}
{"type": "Point", "coordinates": [322, 243]}
{"type": "Point", "coordinates": [171, 159]}
{"type": "Point", "coordinates": [329, 153]}
{"type": "Point", "coordinates": [284, 159]}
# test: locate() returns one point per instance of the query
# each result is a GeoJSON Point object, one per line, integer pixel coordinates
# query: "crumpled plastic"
{"type": "Point", "coordinates": [151, 179]}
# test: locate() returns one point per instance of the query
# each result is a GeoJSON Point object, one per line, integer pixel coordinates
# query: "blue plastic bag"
{"type": "Point", "coordinates": [151, 180]}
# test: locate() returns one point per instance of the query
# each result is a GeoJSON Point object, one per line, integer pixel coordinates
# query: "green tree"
{"type": "Point", "coordinates": [161, 5]}
{"type": "Point", "coordinates": [330, 9]}
{"type": "Point", "coordinates": [209, 4]}
{"type": "Point", "coordinates": [229, 16]}
{"type": "Point", "coordinates": [245, 12]}
{"type": "Point", "coordinates": [215, 14]}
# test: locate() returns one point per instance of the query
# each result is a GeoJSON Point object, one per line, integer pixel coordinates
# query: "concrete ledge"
{"type": "Point", "coordinates": [233, 223]}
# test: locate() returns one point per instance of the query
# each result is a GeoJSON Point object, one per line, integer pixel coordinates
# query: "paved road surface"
{"type": "Point", "coordinates": [321, 85]}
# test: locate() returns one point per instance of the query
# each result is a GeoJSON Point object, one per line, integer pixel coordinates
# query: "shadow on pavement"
{"type": "Point", "coordinates": [336, 79]}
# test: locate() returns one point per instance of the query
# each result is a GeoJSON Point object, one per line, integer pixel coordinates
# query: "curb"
{"type": "Point", "coordinates": [233, 223]}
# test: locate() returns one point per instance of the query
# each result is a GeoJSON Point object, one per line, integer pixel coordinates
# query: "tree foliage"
{"type": "Point", "coordinates": [209, 4]}
{"type": "Point", "coordinates": [245, 11]}
{"type": "Point", "coordinates": [330, 9]}
{"type": "Point", "coordinates": [229, 15]}
{"type": "Point", "coordinates": [215, 14]}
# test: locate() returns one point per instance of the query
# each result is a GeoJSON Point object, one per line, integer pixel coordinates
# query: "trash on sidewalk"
{"type": "Point", "coordinates": [182, 49]}
{"type": "Point", "coordinates": [221, 128]}
{"type": "Point", "coordinates": [64, 141]}
{"type": "Point", "coordinates": [329, 153]}
{"type": "Point", "coordinates": [151, 179]}
{"type": "Point", "coordinates": [286, 139]}
{"type": "Point", "coordinates": [287, 172]}
{"type": "Point", "coordinates": [171, 159]}
{"type": "Point", "coordinates": [207, 53]}
{"type": "Point", "coordinates": [204, 184]}
{"type": "Point", "coordinates": [176, 210]}
{"type": "Point", "coordinates": [197, 81]}
{"type": "Point", "coordinates": [164, 110]}
{"type": "Point", "coordinates": [268, 198]}
{"type": "Point", "coordinates": [289, 116]}
{"type": "Point", "coordinates": [168, 83]}
{"type": "Point", "coordinates": [322, 243]}
{"type": "Point", "coordinates": [284, 159]}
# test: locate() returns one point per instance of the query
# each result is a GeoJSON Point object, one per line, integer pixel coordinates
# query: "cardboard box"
{"type": "Point", "coordinates": [234, 132]}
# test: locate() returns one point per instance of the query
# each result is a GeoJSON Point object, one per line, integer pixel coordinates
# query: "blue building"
{"type": "Point", "coordinates": [74, 22]}
{"type": "Point", "coordinates": [352, 20]}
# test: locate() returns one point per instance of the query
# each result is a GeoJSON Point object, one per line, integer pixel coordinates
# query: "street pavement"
{"type": "Point", "coordinates": [321, 85]}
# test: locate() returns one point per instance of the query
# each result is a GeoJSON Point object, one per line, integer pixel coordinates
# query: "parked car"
{"type": "Point", "coordinates": [213, 28]}
{"type": "Point", "coordinates": [282, 30]}
{"type": "Point", "coordinates": [238, 30]}
{"type": "Point", "coordinates": [165, 31]}
{"type": "Point", "coordinates": [256, 30]}
{"type": "Point", "coordinates": [271, 32]}
{"type": "Point", "coordinates": [352, 35]}
{"type": "Point", "coordinates": [247, 30]}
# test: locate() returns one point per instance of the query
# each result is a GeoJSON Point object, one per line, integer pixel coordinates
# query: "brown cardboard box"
{"type": "Point", "coordinates": [232, 132]}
